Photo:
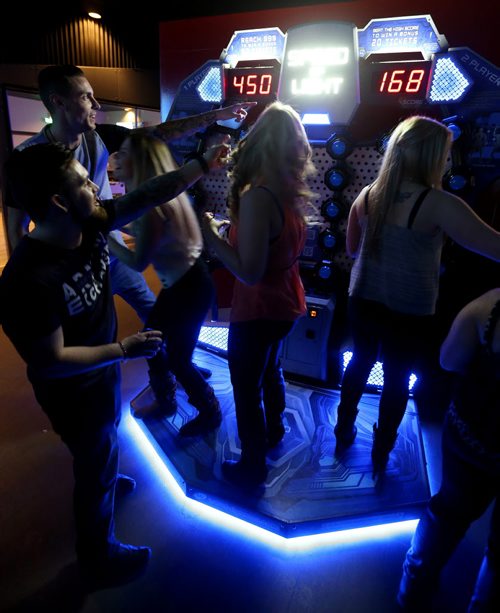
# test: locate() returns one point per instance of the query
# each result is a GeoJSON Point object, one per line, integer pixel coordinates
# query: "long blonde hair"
{"type": "Point", "coordinates": [150, 157]}
{"type": "Point", "coordinates": [417, 149]}
{"type": "Point", "coordinates": [277, 148]}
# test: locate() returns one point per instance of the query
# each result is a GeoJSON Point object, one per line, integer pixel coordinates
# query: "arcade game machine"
{"type": "Point", "coordinates": [351, 87]}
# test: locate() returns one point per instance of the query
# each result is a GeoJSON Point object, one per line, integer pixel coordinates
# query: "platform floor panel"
{"type": "Point", "coordinates": [308, 490]}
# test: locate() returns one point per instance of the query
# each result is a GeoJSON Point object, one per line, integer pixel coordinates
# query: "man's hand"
{"type": "Point", "coordinates": [142, 345]}
{"type": "Point", "coordinates": [236, 111]}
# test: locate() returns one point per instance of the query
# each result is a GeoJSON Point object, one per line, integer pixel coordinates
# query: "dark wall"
{"type": "Point", "coordinates": [188, 43]}
{"type": "Point", "coordinates": [125, 86]}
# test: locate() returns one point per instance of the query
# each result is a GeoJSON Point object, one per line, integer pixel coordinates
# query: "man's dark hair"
{"type": "Point", "coordinates": [56, 79]}
{"type": "Point", "coordinates": [35, 174]}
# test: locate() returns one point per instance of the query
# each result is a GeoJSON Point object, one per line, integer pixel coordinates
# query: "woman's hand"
{"type": "Point", "coordinates": [218, 155]}
{"type": "Point", "coordinates": [210, 222]}
{"type": "Point", "coordinates": [212, 226]}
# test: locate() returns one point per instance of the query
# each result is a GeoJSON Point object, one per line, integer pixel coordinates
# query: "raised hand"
{"type": "Point", "coordinates": [236, 111]}
{"type": "Point", "coordinates": [217, 155]}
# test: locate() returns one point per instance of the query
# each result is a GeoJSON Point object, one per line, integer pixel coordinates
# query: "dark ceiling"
{"type": "Point", "coordinates": [134, 23]}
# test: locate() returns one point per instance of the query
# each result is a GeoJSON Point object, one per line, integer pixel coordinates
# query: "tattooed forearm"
{"type": "Point", "coordinates": [153, 192]}
{"type": "Point", "coordinates": [185, 126]}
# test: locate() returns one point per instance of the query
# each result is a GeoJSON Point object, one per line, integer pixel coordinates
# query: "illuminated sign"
{"type": "Point", "coordinates": [196, 94]}
{"type": "Point", "coordinates": [320, 72]}
{"type": "Point", "coordinates": [318, 79]}
{"type": "Point", "coordinates": [399, 35]}
{"type": "Point", "coordinates": [258, 44]}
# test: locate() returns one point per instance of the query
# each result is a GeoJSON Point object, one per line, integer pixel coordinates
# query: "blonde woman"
{"type": "Point", "coordinates": [395, 233]}
{"type": "Point", "coordinates": [268, 197]}
{"type": "Point", "coordinates": [169, 237]}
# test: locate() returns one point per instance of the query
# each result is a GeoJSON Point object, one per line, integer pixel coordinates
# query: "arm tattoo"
{"type": "Point", "coordinates": [185, 126]}
{"type": "Point", "coordinates": [152, 192]}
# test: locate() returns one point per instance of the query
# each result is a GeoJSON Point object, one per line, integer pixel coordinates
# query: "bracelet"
{"type": "Point", "coordinates": [194, 155]}
{"type": "Point", "coordinates": [124, 351]}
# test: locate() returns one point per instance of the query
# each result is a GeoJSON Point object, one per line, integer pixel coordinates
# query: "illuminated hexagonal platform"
{"type": "Point", "coordinates": [308, 491]}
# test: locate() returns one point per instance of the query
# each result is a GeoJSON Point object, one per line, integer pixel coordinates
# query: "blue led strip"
{"type": "Point", "coordinates": [235, 525]}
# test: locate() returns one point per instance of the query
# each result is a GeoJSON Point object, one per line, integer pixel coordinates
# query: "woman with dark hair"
{"type": "Point", "coordinates": [471, 462]}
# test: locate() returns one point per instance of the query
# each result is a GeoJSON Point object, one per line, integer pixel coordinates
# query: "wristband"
{"type": "Point", "coordinates": [201, 161]}
{"type": "Point", "coordinates": [124, 351]}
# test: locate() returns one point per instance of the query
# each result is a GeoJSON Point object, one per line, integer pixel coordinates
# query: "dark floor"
{"type": "Point", "coordinates": [198, 563]}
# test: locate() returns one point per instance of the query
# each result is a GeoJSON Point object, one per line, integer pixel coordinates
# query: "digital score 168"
{"type": "Point", "coordinates": [395, 82]}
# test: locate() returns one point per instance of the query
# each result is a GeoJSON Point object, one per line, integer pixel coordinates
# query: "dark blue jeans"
{"type": "Point", "coordinates": [256, 377]}
{"type": "Point", "coordinates": [469, 485]}
{"type": "Point", "coordinates": [394, 337]}
{"type": "Point", "coordinates": [85, 412]}
{"type": "Point", "coordinates": [179, 312]}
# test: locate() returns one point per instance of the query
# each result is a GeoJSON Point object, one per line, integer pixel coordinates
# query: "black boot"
{"type": "Point", "coordinates": [119, 565]}
{"type": "Point", "coordinates": [209, 417]}
{"type": "Point", "coordinates": [345, 430]}
{"type": "Point", "coordinates": [247, 472]}
{"type": "Point", "coordinates": [422, 565]}
{"type": "Point", "coordinates": [275, 429]}
{"type": "Point", "coordinates": [383, 444]}
{"type": "Point", "coordinates": [204, 372]}
{"type": "Point", "coordinates": [164, 388]}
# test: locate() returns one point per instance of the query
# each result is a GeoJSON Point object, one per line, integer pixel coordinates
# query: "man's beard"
{"type": "Point", "coordinates": [96, 219]}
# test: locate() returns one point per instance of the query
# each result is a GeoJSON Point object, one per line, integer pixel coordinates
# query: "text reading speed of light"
{"type": "Point", "coordinates": [320, 78]}
{"type": "Point", "coordinates": [320, 70]}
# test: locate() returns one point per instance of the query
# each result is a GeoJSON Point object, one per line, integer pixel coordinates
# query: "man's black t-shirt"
{"type": "Point", "coordinates": [43, 287]}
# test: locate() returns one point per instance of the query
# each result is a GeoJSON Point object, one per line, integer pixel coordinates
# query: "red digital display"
{"type": "Point", "coordinates": [401, 81]}
{"type": "Point", "coordinates": [251, 83]}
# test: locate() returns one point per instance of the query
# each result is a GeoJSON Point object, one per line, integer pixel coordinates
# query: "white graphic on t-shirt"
{"type": "Point", "coordinates": [82, 291]}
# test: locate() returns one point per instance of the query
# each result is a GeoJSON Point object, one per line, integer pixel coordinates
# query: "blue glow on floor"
{"type": "Point", "coordinates": [249, 530]}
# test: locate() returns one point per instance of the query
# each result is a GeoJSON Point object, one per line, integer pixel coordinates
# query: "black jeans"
{"type": "Point", "coordinates": [396, 337]}
{"type": "Point", "coordinates": [256, 376]}
{"type": "Point", "coordinates": [179, 312]}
